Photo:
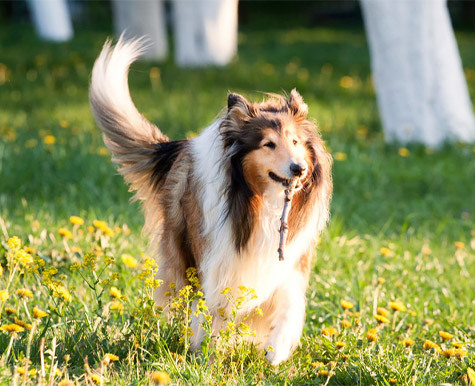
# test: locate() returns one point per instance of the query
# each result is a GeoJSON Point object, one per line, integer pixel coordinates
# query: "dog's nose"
{"type": "Point", "coordinates": [297, 169]}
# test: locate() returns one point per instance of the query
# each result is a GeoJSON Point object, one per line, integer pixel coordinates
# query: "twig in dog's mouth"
{"type": "Point", "coordinates": [284, 228]}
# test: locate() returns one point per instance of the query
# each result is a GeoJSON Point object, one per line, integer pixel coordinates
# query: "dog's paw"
{"type": "Point", "coordinates": [276, 355]}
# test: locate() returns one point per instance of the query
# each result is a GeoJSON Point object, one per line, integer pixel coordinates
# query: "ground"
{"type": "Point", "coordinates": [402, 227]}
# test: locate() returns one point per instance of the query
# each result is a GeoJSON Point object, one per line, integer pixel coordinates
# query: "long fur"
{"type": "Point", "coordinates": [209, 205]}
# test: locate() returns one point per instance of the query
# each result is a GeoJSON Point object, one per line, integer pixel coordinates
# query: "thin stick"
{"type": "Point", "coordinates": [284, 227]}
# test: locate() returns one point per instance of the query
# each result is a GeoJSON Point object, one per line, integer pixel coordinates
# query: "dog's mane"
{"type": "Point", "coordinates": [241, 131]}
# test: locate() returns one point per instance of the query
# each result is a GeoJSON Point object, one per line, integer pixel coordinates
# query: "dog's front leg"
{"type": "Point", "coordinates": [287, 319]}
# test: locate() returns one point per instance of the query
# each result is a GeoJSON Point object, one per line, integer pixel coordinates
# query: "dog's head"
{"type": "Point", "coordinates": [267, 145]}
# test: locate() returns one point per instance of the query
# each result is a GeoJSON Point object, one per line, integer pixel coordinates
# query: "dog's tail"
{"type": "Point", "coordinates": [131, 138]}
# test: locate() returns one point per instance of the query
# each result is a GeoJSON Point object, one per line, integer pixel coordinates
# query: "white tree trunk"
{"type": "Point", "coordinates": [136, 18]}
{"type": "Point", "coordinates": [420, 85]}
{"type": "Point", "coordinates": [51, 19]}
{"type": "Point", "coordinates": [205, 31]}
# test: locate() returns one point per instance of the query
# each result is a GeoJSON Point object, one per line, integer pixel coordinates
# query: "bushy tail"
{"type": "Point", "coordinates": [130, 137]}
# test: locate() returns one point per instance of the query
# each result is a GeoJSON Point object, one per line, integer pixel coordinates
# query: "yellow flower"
{"type": "Point", "coordinates": [470, 372]}
{"type": "Point", "coordinates": [26, 293]}
{"type": "Point", "coordinates": [445, 335]}
{"type": "Point", "coordinates": [115, 292]}
{"type": "Point", "coordinates": [347, 82]}
{"type": "Point", "coordinates": [397, 306]}
{"type": "Point", "coordinates": [112, 357]}
{"type": "Point", "coordinates": [458, 344]}
{"type": "Point", "coordinates": [381, 280]}
{"type": "Point", "coordinates": [100, 224]}
{"type": "Point", "coordinates": [14, 243]}
{"type": "Point", "coordinates": [160, 378]}
{"type": "Point", "coordinates": [339, 156]}
{"type": "Point", "coordinates": [371, 336]}
{"type": "Point", "coordinates": [90, 229]}
{"type": "Point", "coordinates": [12, 328]}
{"type": "Point", "coordinates": [386, 252]}
{"type": "Point", "coordinates": [10, 311]}
{"type": "Point", "coordinates": [39, 313]}
{"type": "Point", "coordinates": [65, 233]}
{"type": "Point", "coordinates": [381, 319]}
{"type": "Point", "coordinates": [108, 231]}
{"type": "Point", "coordinates": [459, 244]}
{"type": "Point", "coordinates": [392, 381]}
{"type": "Point", "coordinates": [129, 260]}
{"type": "Point", "coordinates": [96, 379]}
{"type": "Point", "coordinates": [3, 295]}
{"type": "Point", "coordinates": [346, 304]}
{"type": "Point", "coordinates": [408, 342]}
{"type": "Point", "coordinates": [24, 258]}
{"type": "Point", "coordinates": [66, 382]}
{"type": "Point", "coordinates": [60, 291]}
{"type": "Point", "coordinates": [340, 344]}
{"type": "Point", "coordinates": [454, 352]}
{"type": "Point", "coordinates": [103, 151]}
{"type": "Point", "coordinates": [382, 311]}
{"type": "Point", "coordinates": [76, 220]}
{"type": "Point", "coordinates": [323, 373]}
{"type": "Point", "coordinates": [403, 152]}
{"type": "Point", "coordinates": [329, 331]}
{"type": "Point", "coordinates": [1, 269]}
{"type": "Point", "coordinates": [49, 140]}
{"type": "Point", "coordinates": [20, 370]}
{"type": "Point", "coordinates": [428, 344]}
{"type": "Point", "coordinates": [22, 323]}
{"type": "Point", "coordinates": [345, 323]}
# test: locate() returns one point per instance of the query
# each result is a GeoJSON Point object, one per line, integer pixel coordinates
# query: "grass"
{"type": "Point", "coordinates": [402, 228]}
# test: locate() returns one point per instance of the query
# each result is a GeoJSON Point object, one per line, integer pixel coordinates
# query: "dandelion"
{"type": "Point", "coordinates": [386, 252]}
{"type": "Point", "coordinates": [458, 344]}
{"type": "Point", "coordinates": [445, 335]}
{"type": "Point", "coordinates": [10, 311]}
{"type": "Point", "coordinates": [381, 319]}
{"type": "Point", "coordinates": [25, 293]}
{"type": "Point", "coordinates": [90, 229]}
{"type": "Point", "coordinates": [371, 335]}
{"type": "Point", "coordinates": [112, 357]}
{"type": "Point", "coordinates": [117, 306]}
{"type": "Point", "coordinates": [160, 378]}
{"type": "Point", "coordinates": [340, 345]}
{"type": "Point", "coordinates": [49, 140]}
{"type": "Point", "coordinates": [60, 291]}
{"type": "Point", "coordinates": [100, 224]}
{"type": "Point", "coordinates": [382, 311]}
{"type": "Point", "coordinates": [345, 323]}
{"type": "Point", "coordinates": [392, 381]}
{"type": "Point", "coordinates": [428, 321]}
{"type": "Point", "coordinates": [38, 313]}
{"type": "Point", "coordinates": [459, 244]}
{"type": "Point", "coordinates": [347, 82]}
{"type": "Point", "coordinates": [1, 269]}
{"type": "Point", "coordinates": [129, 260]}
{"type": "Point", "coordinates": [22, 323]}
{"type": "Point", "coordinates": [115, 292]}
{"type": "Point", "coordinates": [404, 152]}
{"type": "Point", "coordinates": [96, 379]}
{"type": "Point", "coordinates": [428, 344]}
{"type": "Point", "coordinates": [339, 156]}
{"type": "Point", "coordinates": [76, 220]}
{"type": "Point", "coordinates": [12, 328]}
{"type": "Point", "coordinates": [20, 370]}
{"type": "Point", "coordinates": [329, 331]}
{"type": "Point", "coordinates": [346, 304]}
{"type": "Point", "coordinates": [454, 352]}
{"type": "Point", "coordinates": [397, 306]}
{"type": "Point", "coordinates": [4, 295]}
{"type": "Point", "coordinates": [63, 232]}
{"type": "Point", "coordinates": [323, 373]}
{"type": "Point", "coordinates": [14, 243]}
{"type": "Point", "coordinates": [381, 280]}
{"type": "Point", "coordinates": [408, 342]}
{"type": "Point", "coordinates": [470, 372]}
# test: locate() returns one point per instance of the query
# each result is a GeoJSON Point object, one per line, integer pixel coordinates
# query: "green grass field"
{"type": "Point", "coordinates": [402, 228]}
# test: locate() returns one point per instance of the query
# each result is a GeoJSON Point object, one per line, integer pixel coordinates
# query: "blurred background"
{"type": "Point", "coordinates": [53, 162]}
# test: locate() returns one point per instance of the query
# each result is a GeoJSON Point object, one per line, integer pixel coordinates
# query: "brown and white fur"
{"type": "Point", "coordinates": [214, 202]}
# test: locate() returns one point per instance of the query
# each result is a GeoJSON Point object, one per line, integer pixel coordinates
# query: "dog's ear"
{"type": "Point", "coordinates": [296, 105]}
{"type": "Point", "coordinates": [239, 108]}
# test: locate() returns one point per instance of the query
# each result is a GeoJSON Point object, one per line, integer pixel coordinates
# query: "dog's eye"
{"type": "Point", "coordinates": [295, 141]}
{"type": "Point", "coordinates": [270, 145]}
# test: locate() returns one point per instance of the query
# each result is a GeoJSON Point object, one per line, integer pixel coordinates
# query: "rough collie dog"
{"type": "Point", "coordinates": [214, 202]}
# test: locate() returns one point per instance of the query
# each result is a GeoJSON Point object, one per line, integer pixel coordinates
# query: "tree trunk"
{"type": "Point", "coordinates": [205, 31]}
{"type": "Point", "coordinates": [136, 18]}
{"type": "Point", "coordinates": [420, 85]}
{"type": "Point", "coordinates": [51, 19]}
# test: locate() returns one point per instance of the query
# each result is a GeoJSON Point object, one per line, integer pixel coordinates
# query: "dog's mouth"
{"type": "Point", "coordinates": [285, 182]}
